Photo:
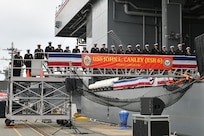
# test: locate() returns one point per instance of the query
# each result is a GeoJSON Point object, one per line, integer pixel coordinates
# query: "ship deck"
{"type": "Point", "coordinates": [87, 128]}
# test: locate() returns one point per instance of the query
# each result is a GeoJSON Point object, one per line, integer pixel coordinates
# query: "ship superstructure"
{"type": "Point", "coordinates": [166, 22]}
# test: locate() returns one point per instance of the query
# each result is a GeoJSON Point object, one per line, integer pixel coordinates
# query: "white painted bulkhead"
{"type": "Point", "coordinates": [68, 10]}
{"type": "Point", "coordinates": [97, 25]}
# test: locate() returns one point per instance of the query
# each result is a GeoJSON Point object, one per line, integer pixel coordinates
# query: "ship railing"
{"type": "Point", "coordinates": [140, 72]}
{"type": "Point", "coordinates": [61, 6]}
{"type": "Point", "coordinates": [69, 65]}
{"type": "Point", "coordinates": [41, 68]}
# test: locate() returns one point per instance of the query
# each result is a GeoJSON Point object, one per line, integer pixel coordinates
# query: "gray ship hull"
{"type": "Point", "coordinates": [186, 115]}
{"type": "Point", "coordinates": [101, 112]}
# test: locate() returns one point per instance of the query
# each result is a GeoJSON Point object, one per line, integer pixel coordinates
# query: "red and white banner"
{"type": "Point", "coordinates": [64, 59]}
{"type": "Point", "coordinates": [127, 61]}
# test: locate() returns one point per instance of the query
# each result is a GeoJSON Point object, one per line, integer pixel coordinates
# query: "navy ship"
{"type": "Point", "coordinates": [115, 22]}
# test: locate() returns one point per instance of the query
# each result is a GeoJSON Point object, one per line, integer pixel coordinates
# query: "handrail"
{"type": "Point", "coordinates": [60, 7]}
